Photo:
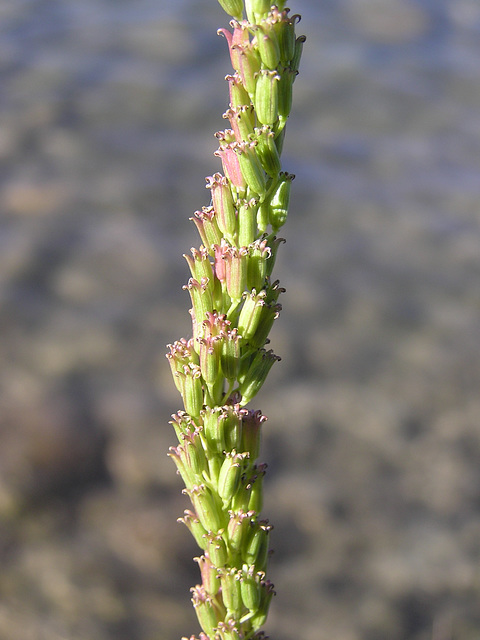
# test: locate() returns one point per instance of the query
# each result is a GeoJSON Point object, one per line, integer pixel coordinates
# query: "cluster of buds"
{"type": "Point", "coordinates": [234, 300]}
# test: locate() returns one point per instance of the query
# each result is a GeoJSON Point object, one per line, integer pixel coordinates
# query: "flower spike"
{"type": "Point", "coordinates": [234, 303]}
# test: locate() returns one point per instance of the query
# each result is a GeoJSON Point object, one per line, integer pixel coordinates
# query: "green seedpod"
{"type": "Point", "coordinates": [206, 505]}
{"type": "Point", "coordinates": [241, 498]}
{"type": "Point", "coordinates": [280, 200]}
{"type": "Point", "coordinates": [250, 166]}
{"type": "Point", "coordinates": [205, 610]}
{"type": "Point", "coordinates": [202, 300]}
{"type": "Point", "coordinates": [267, 150]}
{"type": "Point", "coordinates": [269, 314]}
{"type": "Point", "coordinates": [234, 8]}
{"type": "Point", "coordinates": [233, 430]}
{"type": "Point", "coordinates": [286, 37]}
{"type": "Point", "coordinates": [217, 549]}
{"type": "Point", "coordinates": [259, 256]}
{"type": "Point", "coordinates": [246, 121]}
{"type": "Point", "coordinates": [238, 528]}
{"type": "Point", "coordinates": [249, 64]}
{"type": "Point", "coordinates": [266, 595]}
{"type": "Point", "coordinates": [280, 138]}
{"type": "Point", "coordinates": [210, 576]}
{"type": "Point", "coordinates": [263, 216]}
{"type": "Point", "coordinates": [251, 432]}
{"type": "Point", "coordinates": [274, 245]}
{"type": "Point", "coordinates": [193, 524]}
{"type": "Point", "coordinates": [255, 502]}
{"type": "Point", "coordinates": [267, 43]}
{"type": "Point", "coordinates": [214, 428]}
{"type": "Point", "coordinates": [231, 593]}
{"type": "Point", "coordinates": [238, 94]}
{"type": "Point", "coordinates": [215, 462]}
{"type": "Point", "coordinates": [229, 478]}
{"type": "Point", "coordinates": [229, 356]}
{"type": "Point", "coordinates": [266, 96]}
{"type": "Point", "coordinates": [209, 354]}
{"type": "Point", "coordinates": [223, 205]}
{"type": "Point", "coordinates": [295, 62]}
{"type": "Point", "coordinates": [250, 589]}
{"type": "Point", "coordinates": [199, 264]}
{"type": "Point", "coordinates": [257, 8]}
{"type": "Point", "coordinates": [257, 373]}
{"type": "Point", "coordinates": [182, 423]}
{"type": "Point", "coordinates": [193, 390]}
{"type": "Point", "coordinates": [247, 222]}
{"type": "Point", "coordinates": [188, 476]}
{"type": "Point", "coordinates": [285, 92]}
{"type": "Point", "coordinates": [236, 264]}
{"type": "Point", "coordinates": [256, 550]}
{"type": "Point", "coordinates": [250, 314]}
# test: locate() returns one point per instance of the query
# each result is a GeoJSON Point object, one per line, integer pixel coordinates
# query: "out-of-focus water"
{"type": "Point", "coordinates": [107, 111]}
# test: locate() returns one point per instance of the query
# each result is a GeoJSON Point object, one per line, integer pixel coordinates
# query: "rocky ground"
{"type": "Point", "coordinates": [373, 438]}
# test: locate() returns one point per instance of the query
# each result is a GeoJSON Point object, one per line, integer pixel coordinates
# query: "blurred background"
{"type": "Point", "coordinates": [108, 109]}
